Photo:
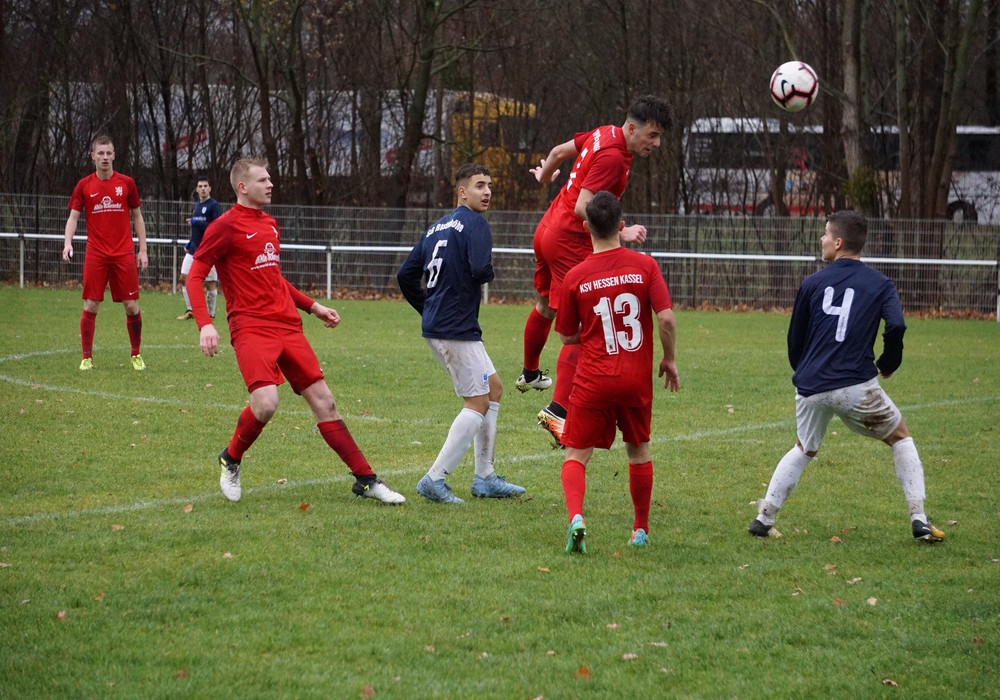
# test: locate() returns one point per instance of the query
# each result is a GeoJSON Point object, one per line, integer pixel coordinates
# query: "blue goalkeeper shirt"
{"type": "Point", "coordinates": [835, 320]}
{"type": "Point", "coordinates": [442, 275]}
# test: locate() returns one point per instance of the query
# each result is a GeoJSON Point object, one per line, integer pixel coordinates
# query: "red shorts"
{"type": "Point", "coordinates": [267, 356]}
{"type": "Point", "coordinates": [119, 272]}
{"type": "Point", "coordinates": [595, 427]}
{"type": "Point", "coordinates": [556, 254]}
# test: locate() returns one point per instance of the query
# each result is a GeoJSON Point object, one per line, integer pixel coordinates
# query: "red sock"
{"type": "Point", "coordinates": [536, 333]}
{"type": "Point", "coordinates": [640, 484]}
{"type": "Point", "coordinates": [88, 322]}
{"type": "Point", "coordinates": [565, 371]}
{"type": "Point", "coordinates": [574, 482]}
{"type": "Point", "coordinates": [248, 429]}
{"type": "Point", "coordinates": [134, 324]}
{"type": "Point", "coordinates": [338, 437]}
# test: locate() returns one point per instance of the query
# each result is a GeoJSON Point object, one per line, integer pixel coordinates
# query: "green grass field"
{"type": "Point", "coordinates": [124, 573]}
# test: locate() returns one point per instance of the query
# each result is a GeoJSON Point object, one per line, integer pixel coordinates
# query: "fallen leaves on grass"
{"type": "Point", "coordinates": [99, 597]}
{"type": "Point", "coordinates": [188, 508]}
{"type": "Point", "coordinates": [873, 601]}
{"type": "Point", "coordinates": [838, 601]}
{"type": "Point", "coordinates": [836, 540]}
{"type": "Point", "coordinates": [889, 682]}
{"type": "Point", "coordinates": [61, 616]}
{"type": "Point", "coordinates": [629, 656]}
{"type": "Point", "coordinates": [304, 507]}
{"type": "Point", "coordinates": [614, 626]}
{"type": "Point", "coordinates": [797, 589]}
{"type": "Point", "coordinates": [282, 481]}
{"type": "Point", "coordinates": [181, 675]}
{"type": "Point", "coordinates": [368, 692]}
{"type": "Point", "coordinates": [853, 580]}
{"type": "Point", "coordinates": [831, 568]}
{"type": "Point", "coordinates": [227, 555]}
{"type": "Point", "coordinates": [582, 673]}
{"type": "Point", "coordinates": [543, 569]}
{"type": "Point", "coordinates": [117, 527]}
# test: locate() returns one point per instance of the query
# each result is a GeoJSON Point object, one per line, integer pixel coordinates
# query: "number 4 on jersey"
{"type": "Point", "coordinates": [843, 311]}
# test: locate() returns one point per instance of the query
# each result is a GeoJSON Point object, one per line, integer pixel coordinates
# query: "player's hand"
{"type": "Point", "coordinates": [537, 172]}
{"type": "Point", "coordinates": [636, 233]}
{"type": "Point", "coordinates": [143, 260]}
{"type": "Point", "coordinates": [668, 368]}
{"type": "Point", "coordinates": [67, 252]}
{"type": "Point", "coordinates": [209, 340]}
{"type": "Point", "coordinates": [329, 317]}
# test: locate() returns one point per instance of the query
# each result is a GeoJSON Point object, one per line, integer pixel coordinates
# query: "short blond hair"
{"type": "Point", "coordinates": [241, 169]}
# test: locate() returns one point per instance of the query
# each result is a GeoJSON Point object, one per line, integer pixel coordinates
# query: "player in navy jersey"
{"type": "Point", "coordinates": [830, 346]}
{"type": "Point", "coordinates": [453, 259]}
{"type": "Point", "coordinates": [206, 210]}
{"type": "Point", "coordinates": [607, 307]}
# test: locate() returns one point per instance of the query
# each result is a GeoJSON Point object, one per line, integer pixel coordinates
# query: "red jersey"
{"type": "Point", "coordinates": [244, 246]}
{"type": "Point", "coordinates": [107, 209]}
{"type": "Point", "coordinates": [603, 163]}
{"type": "Point", "coordinates": [611, 298]}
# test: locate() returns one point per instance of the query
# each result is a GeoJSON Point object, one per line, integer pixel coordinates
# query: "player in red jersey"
{"type": "Point", "coordinates": [266, 330]}
{"type": "Point", "coordinates": [603, 161]}
{"type": "Point", "coordinates": [607, 306]}
{"type": "Point", "coordinates": [111, 207]}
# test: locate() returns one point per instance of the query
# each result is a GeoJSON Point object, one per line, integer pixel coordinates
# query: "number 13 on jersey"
{"type": "Point", "coordinates": [621, 314]}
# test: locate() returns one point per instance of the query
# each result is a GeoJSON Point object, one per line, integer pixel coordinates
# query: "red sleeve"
{"type": "Point", "coordinates": [659, 294]}
{"type": "Point", "coordinates": [195, 279]}
{"type": "Point", "coordinates": [133, 195]}
{"type": "Point", "coordinates": [567, 320]}
{"type": "Point", "coordinates": [302, 301]}
{"type": "Point", "coordinates": [76, 199]}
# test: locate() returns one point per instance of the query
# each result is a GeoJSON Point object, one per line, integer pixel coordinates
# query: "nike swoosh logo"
{"type": "Point", "coordinates": [251, 235]}
{"type": "Point", "coordinates": [95, 194]}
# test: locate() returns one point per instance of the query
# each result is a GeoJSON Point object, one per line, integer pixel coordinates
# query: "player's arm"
{"type": "Point", "coordinates": [548, 170]}
{"type": "Point", "coordinates": [304, 302]}
{"type": "Point", "coordinates": [798, 328]}
{"type": "Point", "coordinates": [208, 336]}
{"type": "Point", "coordinates": [892, 337]}
{"type": "Point", "coordinates": [667, 327]}
{"type": "Point", "coordinates": [408, 278]}
{"type": "Point", "coordinates": [139, 224]}
{"type": "Point", "coordinates": [71, 224]}
{"type": "Point", "coordinates": [481, 254]}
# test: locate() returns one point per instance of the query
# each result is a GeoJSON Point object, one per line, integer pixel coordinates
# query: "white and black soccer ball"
{"type": "Point", "coordinates": [794, 86]}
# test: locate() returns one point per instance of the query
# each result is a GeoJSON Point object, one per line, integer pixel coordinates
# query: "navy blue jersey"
{"type": "Point", "coordinates": [836, 317]}
{"type": "Point", "coordinates": [204, 213]}
{"type": "Point", "coordinates": [442, 275]}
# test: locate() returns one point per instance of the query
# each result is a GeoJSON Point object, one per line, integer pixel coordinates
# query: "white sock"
{"type": "Point", "coordinates": [460, 435]}
{"type": "Point", "coordinates": [211, 296]}
{"type": "Point", "coordinates": [486, 441]}
{"type": "Point", "coordinates": [187, 301]}
{"type": "Point", "coordinates": [783, 482]}
{"type": "Point", "coordinates": [910, 473]}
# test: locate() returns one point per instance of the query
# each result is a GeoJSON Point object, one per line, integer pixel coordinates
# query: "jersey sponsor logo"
{"type": "Point", "coordinates": [269, 258]}
{"type": "Point", "coordinates": [611, 281]}
{"type": "Point", "coordinates": [107, 205]}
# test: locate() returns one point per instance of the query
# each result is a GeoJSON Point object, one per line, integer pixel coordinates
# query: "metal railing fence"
{"type": "Point", "coordinates": [713, 262]}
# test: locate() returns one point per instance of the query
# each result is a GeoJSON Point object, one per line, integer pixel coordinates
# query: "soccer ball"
{"type": "Point", "coordinates": [794, 86]}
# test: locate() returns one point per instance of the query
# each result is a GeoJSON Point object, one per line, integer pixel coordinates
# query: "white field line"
{"type": "Point", "coordinates": [510, 459]}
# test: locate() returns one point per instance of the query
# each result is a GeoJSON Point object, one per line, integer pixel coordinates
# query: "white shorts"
{"type": "Point", "coordinates": [467, 363]}
{"type": "Point", "coordinates": [212, 275]}
{"type": "Point", "coordinates": [864, 408]}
